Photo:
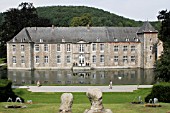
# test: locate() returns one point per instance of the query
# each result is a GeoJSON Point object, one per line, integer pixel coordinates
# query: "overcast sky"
{"type": "Point", "coordinates": [133, 9]}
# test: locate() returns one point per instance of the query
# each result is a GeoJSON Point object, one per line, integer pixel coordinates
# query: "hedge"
{"type": "Point", "coordinates": [160, 91]}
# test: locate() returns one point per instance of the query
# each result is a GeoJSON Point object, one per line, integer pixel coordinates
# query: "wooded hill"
{"type": "Point", "coordinates": [63, 16]}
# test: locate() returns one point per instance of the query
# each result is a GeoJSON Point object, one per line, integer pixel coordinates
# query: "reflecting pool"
{"type": "Point", "coordinates": [93, 77]}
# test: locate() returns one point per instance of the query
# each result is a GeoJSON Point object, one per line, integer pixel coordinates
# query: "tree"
{"type": "Point", "coordinates": [83, 20]}
{"type": "Point", "coordinates": [163, 64]}
{"type": "Point", "coordinates": [15, 19]}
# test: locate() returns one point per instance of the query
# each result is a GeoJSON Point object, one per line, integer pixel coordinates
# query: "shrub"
{"type": "Point", "coordinates": [161, 92]}
{"type": "Point", "coordinates": [6, 91]}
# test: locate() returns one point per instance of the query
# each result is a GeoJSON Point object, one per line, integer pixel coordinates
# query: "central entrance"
{"type": "Point", "coordinates": [81, 60]}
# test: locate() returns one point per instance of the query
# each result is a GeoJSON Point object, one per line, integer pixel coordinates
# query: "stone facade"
{"type": "Point", "coordinates": [84, 48]}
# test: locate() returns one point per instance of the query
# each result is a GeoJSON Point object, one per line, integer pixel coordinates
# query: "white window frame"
{"type": "Point", "coordinates": [68, 47]}
{"type": "Point", "coordinates": [58, 59]}
{"type": "Point", "coordinates": [125, 48]}
{"type": "Point", "coordinates": [22, 48]}
{"type": "Point", "coordinates": [101, 58]}
{"type": "Point", "coordinates": [22, 59]}
{"type": "Point", "coordinates": [14, 59]}
{"type": "Point", "coordinates": [116, 48]}
{"type": "Point", "coordinates": [45, 59]}
{"type": "Point", "coordinates": [94, 58]}
{"type": "Point", "coordinates": [151, 47]}
{"type": "Point", "coordinates": [58, 47]}
{"type": "Point", "coordinates": [81, 48]}
{"type": "Point", "coordinates": [93, 47]}
{"type": "Point", "coordinates": [68, 59]}
{"type": "Point", "coordinates": [116, 58]}
{"type": "Point", "coordinates": [101, 47]}
{"type": "Point", "coordinates": [14, 48]}
{"type": "Point", "coordinates": [133, 48]}
{"type": "Point", "coordinates": [37, 47]}
{"type": "Point", "coordinates": [133, 59]}
{"type": "Point", "coordinates": [46, 47]}
{"type": "Point", "coordinates": [125, 59]}
{"type": "Point", "coordinates": [37, 59]}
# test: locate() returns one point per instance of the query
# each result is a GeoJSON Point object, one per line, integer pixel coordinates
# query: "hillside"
{"type": "Point", "coordinates": [62, 15]}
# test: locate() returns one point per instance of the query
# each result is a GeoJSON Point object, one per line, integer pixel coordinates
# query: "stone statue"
{"type": "Point", "coordinates": [95, 97]}
{"type": "Point", "coordinates": [66, 103]}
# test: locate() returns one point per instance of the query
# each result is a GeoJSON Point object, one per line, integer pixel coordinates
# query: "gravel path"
{"type": "Point", "coordinates": [121, 88]}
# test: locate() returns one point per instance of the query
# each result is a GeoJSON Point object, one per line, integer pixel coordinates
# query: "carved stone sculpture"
{"type": "Point", "coordinates": [95, 97]}
{"type": "Point", "coordinates": [66, 103]}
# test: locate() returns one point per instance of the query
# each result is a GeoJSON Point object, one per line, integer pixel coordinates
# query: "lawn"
{"type": "Point", "coordinates": [50, 102]}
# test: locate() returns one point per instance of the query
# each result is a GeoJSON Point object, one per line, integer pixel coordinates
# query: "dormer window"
{"type": "Point", "coordinates": [97, 39]}
{"type": "Point", "coordinates": [63, 40]}
{"type": "Point", "coordinates": [23, 39]}
{"type": "Point", "coordinates": [14, 39]}
{"type": "Point", "coordinates": [127, 39]}
{"type": "Point", "coordinates": [136, 39]}
{"type": "Point", "coordinates": [115, 39]}
{"type": "Point", "coordinates": [41, 40]}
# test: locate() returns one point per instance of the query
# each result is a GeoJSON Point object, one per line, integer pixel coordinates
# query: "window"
{"type": "Point", "coordinates": [125, 59]}
{"type": "Point", "coordinates": [150, 48]}
{"type": "Point", "coordinates": [115, 39]}
{"type": "Point", "coordinates": [45, 47]}
{"type": "Point", "coordinates": [136, 39]}
{"type": "Point", "coordinates": [94, 59]}
{"type": "Point", "coordinates": [45, 59]}
{"type": "Point", "coordinates": [68, 47]}
{"type": "Point", "coordinates": [150, 39]}
{"type": "Point", "coordinates": [101, 47]}
{"type": "Point", "coordinates": [58, 59]}
{"type": "Point", "coordinates": [127, 39]}
{"type": "Point", "coordinates": [132, 48]}
{"type": "Point", "coordinates": [102, 58]}
{"type": "Point", "coordinates": [81, 48]}
{"type": "Point", "coordinates": [22, 59]}
{"type": "Point", "coordinates": [58, 47]}
{"type": "Point", "coordinates": [37, 58]}
{"type": "Point", "coordinates": [116, 48]}
{"type": "Point", "coordinates": [37, 48]}
{"type": "Point", "coordinates": [150, 57]}
{"type": "Point", "coordinates": [14, 60]}
{"type": "Point", "coordinates": [68, 59]}
{"type": "Point", "coordinates": [22, 48]}
{"type": "Point", "coordinates": [124, 48]}
{"type": "Point", "coordinates": [132, 58]}
{"type": "Point", "coordinates": [116, 58]}
{"type": "Point", "coordinates": [93, 47]}
{"type": "Point", "coordinates": [13, 48]}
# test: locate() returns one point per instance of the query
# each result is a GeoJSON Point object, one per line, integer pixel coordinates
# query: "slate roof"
{"type": "Point", "coordinates": [147, 27]}
{"type": "Point", "coordinates": [76, 34]}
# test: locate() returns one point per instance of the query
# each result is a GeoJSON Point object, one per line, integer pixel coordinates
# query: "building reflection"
{"type": "Point", "coordinates": [101, 77]}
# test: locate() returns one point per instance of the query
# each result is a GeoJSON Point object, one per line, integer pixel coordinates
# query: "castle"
{"type": "Point", "coordinates": [84, 48]}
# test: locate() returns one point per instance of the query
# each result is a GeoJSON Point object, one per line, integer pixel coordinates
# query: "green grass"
{"type": "Point", "coordinates": [117, 102]}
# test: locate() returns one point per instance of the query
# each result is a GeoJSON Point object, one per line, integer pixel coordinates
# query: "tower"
{"type": "Point", "coordinates": [149, 39]}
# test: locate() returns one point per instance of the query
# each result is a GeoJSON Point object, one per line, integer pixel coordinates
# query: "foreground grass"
{"type": "Point", "coordinates": [50, 102]}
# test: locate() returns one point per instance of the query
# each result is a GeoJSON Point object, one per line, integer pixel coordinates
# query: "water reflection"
{"type": "Point", "coordinates": [102, 77]}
